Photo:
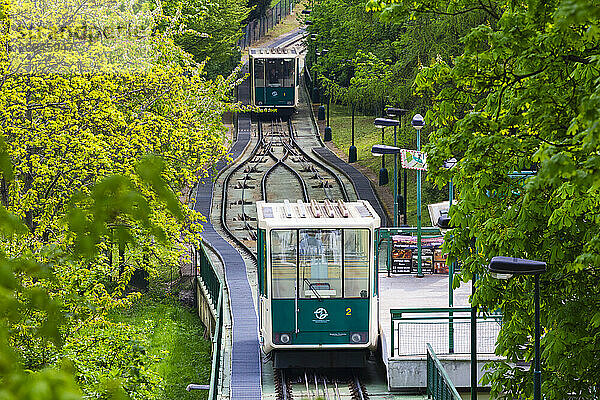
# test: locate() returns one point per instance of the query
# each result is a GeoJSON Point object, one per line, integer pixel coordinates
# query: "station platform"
{"type": "Point", "coordinates": [404, 354]}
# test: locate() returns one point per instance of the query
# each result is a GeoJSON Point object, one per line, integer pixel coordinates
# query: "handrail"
{"type": "Point", "coordinates": [451, 317]}
{"type": "Point", "coordinates": [209, 277]}
{"type": "Point", "coordinates": [216, 351]}
{"type": "Point", "coordinates": [396, 313]}
{"type": "Point", "coordinates": [214, 286]}
{"type": "Point", "coordinates": [426, 230]}
{"type": "Point", "coordinates": [439, 385]}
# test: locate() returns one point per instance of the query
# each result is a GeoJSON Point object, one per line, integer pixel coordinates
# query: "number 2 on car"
{"type": "Point", "coordinates": [348, 311]}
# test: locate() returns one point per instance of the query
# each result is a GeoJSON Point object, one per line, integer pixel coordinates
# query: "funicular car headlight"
{"type": "Point", "coordinates": [282, 338]}
{"type": "Point", "coordinates": [359, 337]}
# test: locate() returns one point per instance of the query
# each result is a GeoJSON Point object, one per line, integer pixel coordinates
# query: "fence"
{"type": "Point", "coordinates": [439, 385]}
{"type": "Point", "coordinates": [400, 256]}
{"type": "Point", "coordinates": [448, 330]}
{"type": "Point", "coordinates": [258, 27]}
{"type": "Point", "coordinates": [209, 279]}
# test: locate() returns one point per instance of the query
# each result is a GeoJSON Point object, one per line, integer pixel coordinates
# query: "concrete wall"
{"type": "Point", "coordinates": [409, 372]}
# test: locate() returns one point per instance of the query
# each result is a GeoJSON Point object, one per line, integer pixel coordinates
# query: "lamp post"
{"type": "Point", "coordinates": [399, 112]}
{"type": "Point", "coordinates": [418, 123]}
{"type": "Point", "coordinates": [505, 268]}
{"type": "Point", "coordinates": [321, 111]}
{"type": "Point", "coordinates": [327, 136]}
{"type": "Point", "coordinates": [352, 156]}
{"type": "Point", "coordinates": [444, 223]}
{"type": "Point", "coordinates": [383, 172]}
{"type": "Point", "coordinates": [382, 123]}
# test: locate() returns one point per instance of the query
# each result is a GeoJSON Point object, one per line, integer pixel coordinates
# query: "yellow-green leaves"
{"type": "Point", "coordinates": [102, 140]}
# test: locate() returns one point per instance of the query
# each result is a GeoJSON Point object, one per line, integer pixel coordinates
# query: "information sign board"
{"type": "Point", "coordinates": [413, 159]}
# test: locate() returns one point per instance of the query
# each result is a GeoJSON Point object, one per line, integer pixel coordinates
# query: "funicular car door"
{"type": "Point", "coordinates": [284, 270]}
{"type": "Point", "coordinates": [333, 280]}
{"type": "Point", "coordinates": [321, 309]}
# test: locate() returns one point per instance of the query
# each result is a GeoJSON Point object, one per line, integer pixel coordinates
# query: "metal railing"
{"type": "Point", "coordinates": [216, 351]}
{"type": "Point", "coordinates": [257, 28]}
{"type": "Point", "coordinates": [208, 276]}
{"type": "Point", "coordinates": [439, 385]}
{"type": "Point", "coordinates": [447, 329]}
{"type": "Point", "coordinates": [214, 286]}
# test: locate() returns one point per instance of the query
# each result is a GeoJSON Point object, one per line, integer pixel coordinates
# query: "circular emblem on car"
{"type": "Point", "coordinates": [321, 313]}
{"type": "Point", "coordinates": [274, 93]}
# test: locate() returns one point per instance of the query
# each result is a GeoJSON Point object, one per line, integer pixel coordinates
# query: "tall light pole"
{"type": "Point", "coordinates": [383, 172]}
{"type": "Point", "coordinates": [505, 268]}
{"type": "Point", "coordinates": [352, 154]}
{"type": "Point", "coordinates": [399, 112]}
{"type": "Point", "coordinates": [418, 123]}
{"type": "Point", "coordinates": [444, 223]}
{"type": "Point", "coordinates": [382, 123]}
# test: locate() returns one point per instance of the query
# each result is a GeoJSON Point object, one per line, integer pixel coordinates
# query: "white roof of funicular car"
{"type": "Point", "coordinates": [274, 52]}
{"type": "Point", "coordinates": [340, 214]}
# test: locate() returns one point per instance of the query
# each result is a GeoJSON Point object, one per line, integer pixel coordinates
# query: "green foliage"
{"type": "Point", "coordinates": [174, 336]}
{"type": "Point", "coordinates": [106, 127]}
{"type": "Point", "coordinates": [372, 57]}
{"type": "Point", "coordinates": [366, 135]}
{"type": "Point", "coordinates": [209, 31]}
{"type": "Point", "coordinates": [524, 93]}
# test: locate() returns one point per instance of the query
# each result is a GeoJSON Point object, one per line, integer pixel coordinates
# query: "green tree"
{"type": "Point", "coordinates": [525, 94]}
{"type": "Point", "coordinates": [383, 52]}
{"type": "Point", "coordinates": [209, 31]}
{"type": "Point", "coordinates": [87, 91]}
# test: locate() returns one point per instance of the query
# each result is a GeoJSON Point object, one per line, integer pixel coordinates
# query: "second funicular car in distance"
{"type": "Point", "coordinates": [318, 286]}
{"type": "Point", "coordinates": [274, 77]}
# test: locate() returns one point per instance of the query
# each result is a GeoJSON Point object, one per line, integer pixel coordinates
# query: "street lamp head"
{"type": "Point", "coordinates": [418, 122]}
{"type": "Point", "coordinates": [505, 267]}
{"type": "Point", "coordinates": [450, 163]}
{"type": "Point", "coordinates": [384, 122]}
{"type": "Point", "coordinates": [395, 112]}
{"type": "Point", "coordinates": [443, 221]}
{"type": "Point", "coordinates": [381, 149]}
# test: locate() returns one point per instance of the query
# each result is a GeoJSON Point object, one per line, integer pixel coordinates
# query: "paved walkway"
{"type": "Point", "coordinates": [245, 382]}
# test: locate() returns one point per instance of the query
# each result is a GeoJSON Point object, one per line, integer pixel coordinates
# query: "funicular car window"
{"type": "Point", "coordinates": [288, 73]}
{"type": "Point", "coordinates": [283, 263]}
{"type": "Point", "coordinates": [259, 72]}
{"type": "Point", "coordinates": [356, 262]}
{"type": "Point", "coordinates": [274, 73]}
{"type": "Point", "coordinates": [320, 269]}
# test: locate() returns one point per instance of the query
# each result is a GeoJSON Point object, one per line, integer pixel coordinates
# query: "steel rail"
{"type": "Point", "coordinates": [319, 164]}
{"type": "Point", "coordinates": [224, 202]}
{"type": "Point", "coordinates": [281, 162]}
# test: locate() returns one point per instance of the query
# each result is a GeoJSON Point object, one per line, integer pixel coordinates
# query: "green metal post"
{"type": "Point", "coordinates": [473, 343]}
{"type": "Point", "coordinates": [419, 244]}
{"type": "Point", "coordinates": [395, 182]}
{"type": "Point", "coordinates": [392, 338]}
{"type": "Point", "coordinates": [537, 373]}
{"type": "Point", "coordinates": [404, 173]}
{"type": "Point", "coordinates": [450, 280]}
{"type": "Point", "coordinates": [390, 244]}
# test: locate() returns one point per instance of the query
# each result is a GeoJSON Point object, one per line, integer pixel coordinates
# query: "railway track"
{"type": "Point", "coordinates": [277, 169]}
{"type": "Point", "coordinates": [312, 384]}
